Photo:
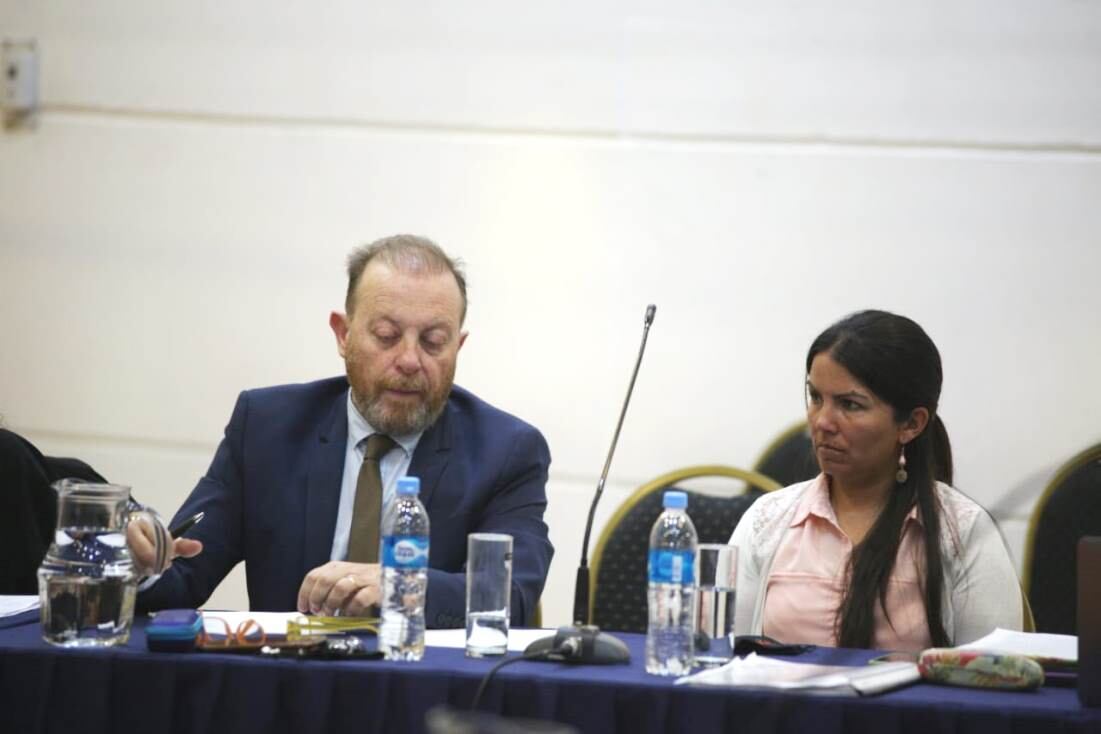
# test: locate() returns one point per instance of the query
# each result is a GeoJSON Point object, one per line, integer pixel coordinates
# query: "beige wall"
{"type": "Point", "coordinates": [172, 230]}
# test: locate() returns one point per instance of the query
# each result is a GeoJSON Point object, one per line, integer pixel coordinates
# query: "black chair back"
{"type": "Point", "coordinates": [620, 558]}
{"type": "Point", "coordinates": [1069, 509]}
{"type": "Point", "coordinates": [789, 459]}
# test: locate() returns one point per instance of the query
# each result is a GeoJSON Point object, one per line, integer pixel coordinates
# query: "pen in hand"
{"type": "Point", "coordinates": [186, 525]}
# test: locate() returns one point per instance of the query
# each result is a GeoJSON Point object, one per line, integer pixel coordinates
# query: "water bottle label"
{"type": "Point", "coordinates": [672, 567]}
{"type": "Point", "coordinates": [405, 551]}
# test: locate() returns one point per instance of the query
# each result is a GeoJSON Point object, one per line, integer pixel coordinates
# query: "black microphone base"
{"type": "Point", "coordinates": [584, 645]}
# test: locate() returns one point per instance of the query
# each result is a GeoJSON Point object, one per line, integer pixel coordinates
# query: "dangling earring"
{"type": "Point", "coordinates": [901, 475]}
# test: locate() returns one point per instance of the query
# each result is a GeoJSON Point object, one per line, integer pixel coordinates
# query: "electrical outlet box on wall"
{"type": "Point", "coordinates": [19, 79]}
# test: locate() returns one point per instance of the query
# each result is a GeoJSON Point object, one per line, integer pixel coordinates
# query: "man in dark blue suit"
{"type": "Point", "coordinates": [281, 492]}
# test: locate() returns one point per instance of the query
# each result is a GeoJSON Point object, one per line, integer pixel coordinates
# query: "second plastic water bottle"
{"type": "Point", "coordinates": [404, 574]}
{"type": "Point", "coordinates": [671, 595]}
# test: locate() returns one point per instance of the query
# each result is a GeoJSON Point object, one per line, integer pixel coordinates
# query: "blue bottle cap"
{"type": "Point", "coordinates": [674, 499]}
{"type": "Point", "coordinates": [409, 486]}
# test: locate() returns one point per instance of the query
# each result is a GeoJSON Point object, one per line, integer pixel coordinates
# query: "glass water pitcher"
{"type": "Point", "coordinates": [87, 581]}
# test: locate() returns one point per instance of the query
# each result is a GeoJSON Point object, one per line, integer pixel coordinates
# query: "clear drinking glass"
{"type": "Point", "coordinates": [717, 566]}
{"type": "Point", "coordinates": [488, 590]}
{"type": "Point", "coordinates": [87, 583]}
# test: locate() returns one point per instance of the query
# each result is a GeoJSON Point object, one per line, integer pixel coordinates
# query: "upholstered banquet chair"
{"type": "Point", "coordinates": [789, 458]}
{"type": "Point", "coordinates": [1069, 508]}
{"type": "Point", "coordinates": [619, 560]}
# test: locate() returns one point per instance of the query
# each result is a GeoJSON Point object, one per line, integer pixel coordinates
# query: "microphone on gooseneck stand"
{"type": "Point", "coordinates": [583, 642]}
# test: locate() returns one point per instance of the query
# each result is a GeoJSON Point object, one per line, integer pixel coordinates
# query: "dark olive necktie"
{"type": "Point", "coordinates": [367, 513]}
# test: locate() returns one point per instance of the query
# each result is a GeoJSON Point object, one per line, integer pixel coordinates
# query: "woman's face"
{"type": "Point", "coordinates": [856, 438]}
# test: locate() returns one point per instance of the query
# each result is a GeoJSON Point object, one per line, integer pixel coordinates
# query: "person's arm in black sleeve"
{"type": "Point", "coordinates": [28, 514]}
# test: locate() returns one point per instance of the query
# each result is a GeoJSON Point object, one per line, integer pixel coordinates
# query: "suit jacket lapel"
{"type": "Point", "coordinates": [326, 472]}
{"type": "Point", "coordinates": [430, 458]}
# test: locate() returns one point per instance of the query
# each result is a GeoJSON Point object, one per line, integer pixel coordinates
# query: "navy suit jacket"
{"type": "Point", "coordinates": [271, 494]}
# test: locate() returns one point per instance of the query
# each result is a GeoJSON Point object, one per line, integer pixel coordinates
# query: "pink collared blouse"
{"type": "Point", "coordinates": [808, 578]}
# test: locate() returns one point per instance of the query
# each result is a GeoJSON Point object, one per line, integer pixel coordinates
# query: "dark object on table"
{"type": "Point", "coordinates": [344, 647]}
{"type": "Point", "coordinates": [28, 508]}
{"type": "Point", "coordinates": [765, 645]}
{"type": "Point", "coordinates": [444, 720]}
{"type": "Point", "coordinates": [619, 559]}
{"type": "Point", "coordinates": [789, 459]}
{"type": "Point", "coordinates": [174, 630]}
{"type": "Point", "coordinates": [1089, 621]}
{"type": "Point", "coordinates": [584, 645]}
{"type": "Point", "coordinates": [1069, 509]}
{"type": "Point", "coordinates": [895, 656]}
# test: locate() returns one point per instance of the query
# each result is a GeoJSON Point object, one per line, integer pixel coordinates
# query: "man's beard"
{"type": "Point", "coordinates": [401, 420]}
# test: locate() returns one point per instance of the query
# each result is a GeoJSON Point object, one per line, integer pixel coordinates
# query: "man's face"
{"type": "Point", "coordinates": [399, 346]}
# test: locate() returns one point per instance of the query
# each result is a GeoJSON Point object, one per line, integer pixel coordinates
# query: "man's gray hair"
{"type": "Point", "coordinates": [409, 254]}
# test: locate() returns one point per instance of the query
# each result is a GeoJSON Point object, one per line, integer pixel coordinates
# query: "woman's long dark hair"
{"type": "Point", "coordinates": [895, 359]}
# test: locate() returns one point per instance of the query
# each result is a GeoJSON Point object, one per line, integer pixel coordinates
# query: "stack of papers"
{"type": "Point", "coordinates": [12, 605]}
{"type": "Point", "coordinates": [1051, 651]}
{"type": "Point", "coordinates": [754, 671]}
{"type": "Point", "coordinates": [518, 639]}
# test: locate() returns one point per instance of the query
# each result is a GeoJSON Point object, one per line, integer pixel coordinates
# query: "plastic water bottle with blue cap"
{"type": "Point", "coordinates": [671, 595]}
{"type": "Point", "coordinates": [404, 574]}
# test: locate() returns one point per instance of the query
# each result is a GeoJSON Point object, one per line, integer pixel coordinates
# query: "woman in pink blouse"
{"type": "Point", "coordinates": [878, 550]}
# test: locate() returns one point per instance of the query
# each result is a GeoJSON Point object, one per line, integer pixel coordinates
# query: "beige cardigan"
{"type": "Point", "coordinates": [981, 589]}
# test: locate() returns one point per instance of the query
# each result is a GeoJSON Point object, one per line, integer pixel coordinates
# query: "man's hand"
{"type": "Point", "coordinates": [141, 538]}
{"type": "Point", "coordinates": [340, 587]}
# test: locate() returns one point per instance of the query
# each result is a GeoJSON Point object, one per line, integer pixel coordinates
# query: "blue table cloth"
{"type": "Point", "coordinates": [128, 689]}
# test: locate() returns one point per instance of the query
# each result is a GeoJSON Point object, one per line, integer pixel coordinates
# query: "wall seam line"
{"type": "Point", "coordinates": [596, 135]}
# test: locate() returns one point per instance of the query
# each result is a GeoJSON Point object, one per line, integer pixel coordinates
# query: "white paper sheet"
{"type": "Point", "coordinates": [755, 671]}
{"type": "Point", "coordinates": [12, 605]}
{"type": "Point", "coordinates": [1037, 645]}
{"type": "Point", "coordinates": [518, 639]}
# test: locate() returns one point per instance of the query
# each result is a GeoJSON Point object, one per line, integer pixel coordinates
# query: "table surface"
{"type": "Point", "coordinates": [128, 688]}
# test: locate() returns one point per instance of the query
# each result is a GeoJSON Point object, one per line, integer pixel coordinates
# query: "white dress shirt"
{"type": "Point", "coordinates": [393, 466]}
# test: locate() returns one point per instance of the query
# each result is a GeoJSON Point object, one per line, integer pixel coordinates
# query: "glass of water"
{"type": "Point", "coordinates": [717, 566]}
{"type": "Point", "coordinates": [488, 589]}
